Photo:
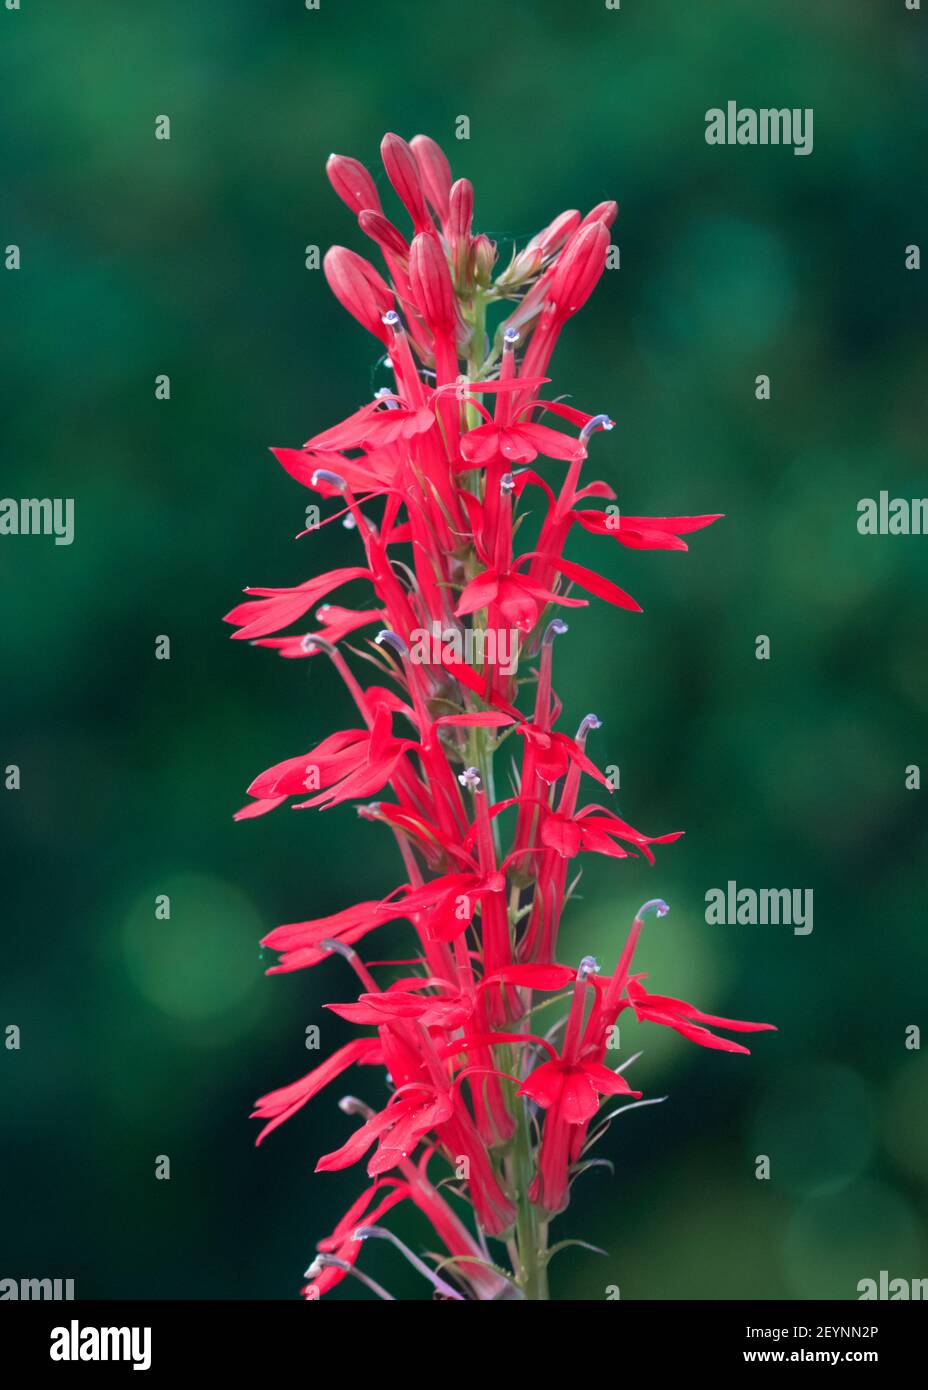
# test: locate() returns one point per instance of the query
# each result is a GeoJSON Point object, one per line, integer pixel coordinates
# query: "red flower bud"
{"type": "Point", "coordinates": [483, 259]}
{"type": "Point", "coordinates": [352, 183]}
{"type": "Point", "coordinates": [460, 209]}
{"type": "Point", "coordinates": [435, 173]}
{"type": "Point", "coordinates": [606, 213]}
{"type": "Point", "coordinates": [358, 288]}
{"type": "Point", "coordinates": [430, 282]}
{"type": "Point", "coordinates": [553, 237]}
{"type": "Point", "coordinates": [389, 238]}
{"type": "Point", "coordinates": [578, 268]}
{"type": "Point", "coordinates": [403, 172]}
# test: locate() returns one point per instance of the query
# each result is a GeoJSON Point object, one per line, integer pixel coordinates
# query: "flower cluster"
{"type": "Point", "coordinates": [485, 1120]}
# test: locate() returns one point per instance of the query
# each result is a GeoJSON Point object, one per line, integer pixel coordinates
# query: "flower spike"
{"type": "Point", "coordinates": [475, 1116]}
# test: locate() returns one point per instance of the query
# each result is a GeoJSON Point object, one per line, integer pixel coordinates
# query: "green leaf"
{"type": "Point", "coordinates": [563, 1244]}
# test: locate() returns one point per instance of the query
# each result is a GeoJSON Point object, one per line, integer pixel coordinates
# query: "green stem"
{"type": "Point", "coordinates": [531, 1231]}
{"type": "Point", "coordinates": [475, 357]}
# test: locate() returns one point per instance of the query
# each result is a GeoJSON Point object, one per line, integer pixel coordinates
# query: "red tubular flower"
{"type": "Point", "coordinates": [570, 283]}
{"type": "Point", "coordinates": [568, 1088]}
{"type": "Point", "coordinates": [431, 481]}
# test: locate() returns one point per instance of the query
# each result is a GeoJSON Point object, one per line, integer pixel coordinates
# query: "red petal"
{"type": "Point", "coordinates": [579, 1101]}
{"type": "Point", "coordinates": [481, 445]}
{"type": "Point", "coordinates": [552, 443]}
{"type": "Point", "coordinates": [287, 1100]}
{"type": "Point", "coordinates": [561, 835]}
{"type": "Point", "coordinates": [259, 807]}
{"type": "Point", "coordinates": [480, 592]}
{"type": "Point", "coordinates": [357, 1146]}
{"type": "Point", "coordinates": [608, 1083]}
{"type": "Point", "coordinates": [545, 1084]}
{"type": "Point", "coordinates": [596, 584]}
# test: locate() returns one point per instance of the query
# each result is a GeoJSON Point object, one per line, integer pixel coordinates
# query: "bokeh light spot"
{"type": "Point", "coordinates": [202, 961]}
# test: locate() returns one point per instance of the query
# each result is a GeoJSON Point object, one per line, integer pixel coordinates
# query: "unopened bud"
{"type": "Point", "coordinates": [606, 213]}
{"type": "Point", "coordinates": [578, 268]}
{"type": "Point", "coordinates": [434, 172]}
{"type": "Point", "coordinates": [430, 283]}
{"type": "Point", "coordinates": [552, 237]}
{"type": "Point", "coordinates": [403, 172]}
{"type": "Point", "coordinates": [358, 287]}
{"type": "Point", "coordinates": [381, 230]}
{"type": "Point", "coordinates": [352, 183]}
{"type": "Point", "coordinates": [460, 209]}
{"type": "Point", "coordinates": [483, 259]}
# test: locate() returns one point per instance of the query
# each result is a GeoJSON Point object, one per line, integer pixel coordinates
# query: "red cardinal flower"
{"type": "Point", "coordinates": [568, 835]}
{"type": "Point", "coordinates": [572, 1089]}
{"type": "Point", "coordinates": [431, 478]}
{"type": "Point", "coordinates": [519, 442]}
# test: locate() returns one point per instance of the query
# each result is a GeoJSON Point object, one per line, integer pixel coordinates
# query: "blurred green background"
{"type": "Point", "coordinates": [142, 1037]}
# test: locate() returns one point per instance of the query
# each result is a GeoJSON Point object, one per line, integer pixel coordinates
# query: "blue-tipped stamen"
{"type": "Point", "coordinates": [386, 638]}
{"type": "Point", "coordinates": [350, 1105]}
{"type": "Point", "coordinates": [324, 1261]}
{"type": "Point", "coordinates": [556, 628]}
{"type": "Point", "coordinates": [598, 422]}
{"type": "Point", "coordinates": [312, 642]}
{"type": "Point", "coordinates": [325, 475]}
{"type": "Point", "coordinates": [592, 721]}
{"type": "Point", "coordinates": [588, 966]}
{"type": "Point", "coordinates": [381, 1233]}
